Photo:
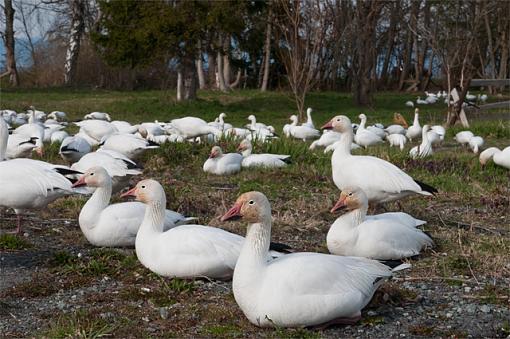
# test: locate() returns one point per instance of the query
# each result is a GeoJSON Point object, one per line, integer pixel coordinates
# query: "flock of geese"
{"type": "Point", "coordinates": [273, 286]}
{"type": "Point", "coordinates": [432, 98]}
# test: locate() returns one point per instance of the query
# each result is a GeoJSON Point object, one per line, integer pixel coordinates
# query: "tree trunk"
{"type": "Point", "coordinates": [73, 49]}
{"type": "Point", "coordinates": [492, 59]}
{"type": "Point", "coordinates": [10, 44]}
{"type": "Point", "coordinates": [211, 69]}
{"type": "Point", "coordinates": [503, 64]}
{"type": "Point", "coordinates": [267, 54]}
{"type": "Point", "coordinates": [187, 80]}
{"type": "Point", "coordinates": [219, 73]}
{"type": "Point", "coordinates": [200, 72]}
{"type": "Point", "coordinates": [237, 80]}
{"type": "Point", "coordinates": [226, 61]}
{"type": "Point", "coordinates": [408, 51]}
{"type": "Point", "coordinates": [180, 92]}
{"type": "Point", "coordinates": [392, 31]}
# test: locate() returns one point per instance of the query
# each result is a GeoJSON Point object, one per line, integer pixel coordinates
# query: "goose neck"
{"type": "Point", "coordinates": [154, 217]}
{"type": "Point", "coordinates": [362, 123]}
{"type": "Point", "coordinates": [344, 146]}
{"type": "Point", "coordinates": [256, 245]}
{"type": "Point", "coordinates": [4, 137]}
{"type": "Point", "coordinates": [92, 209]}
{"type": "Point", "coordinates": [246, 152]}
{"type": "Point", "coordinates": [416, 121]}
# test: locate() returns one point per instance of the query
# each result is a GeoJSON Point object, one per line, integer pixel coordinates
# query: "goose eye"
{"type": "Point", "coordinates": [350, 194]}
{"type": "Point", "coordinates": [91, 174]}
{"type": "Point", "coordinates": [251, 202]}
{"type": "Point", "coordinates": [143, 186]}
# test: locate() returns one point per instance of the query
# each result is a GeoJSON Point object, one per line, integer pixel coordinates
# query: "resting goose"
{"type": "Point", "coordinates": [254, 125]}
{"type": "Point", "coordinates": [501, 158]}
{"type": "Point", "coordinates": [58, 115]}
{"type": "Point", "coordinates": [398, 140]}
{"type": "Point", "coordinates": [97, 116]}
{"type": "Point", "coordinates": [309, 121]}
{"type": "Point", "coordinates": [395, 129]}
{"type": "Point", "coordinates": [414, 131]}
{"type": "Point", "coordinates": [114, 225]}
{"type": "Point", "coordinates": [220, 123]}
{"type": "Point", "coordinates": [74, 148]}
{"type": "Point", "coordinates": [425, 148]}
{"type": "Point", "coordinates": [298, 289]}
{"type": "Point", "coordinates": [222, 164]}
{"type": "Point", "coordinates": [96, 130]}
{"type": "Point", "coordinates": [302, 132]}
{"type": "Point", "coordinates": [381, 180]}
{"type": "Point", "coordinates": [327, 138]}
{"type": "Point", "coordinates": [33, 129]}
{"type": "Point", "coordinates": [384, 237]}
{"type": "Point", "coordinates": [20, 146]}
{"type": "Point", "coordinates": [58, 137]}
{"type": "Point", "coordinates": [29, 184]}
{"type": "Point", "coordinates": [262, 134]}
{"type": "Point", "coordinates": [365, 137]}
{"type": "Point", "coordinates": [287, 127]}
{"type": "Point", "coordinates": [119, 168]}
{"type": "Point", "coordinates": [125, 127]}
{"type": "Point", "coordinates": [191, 127]}
{"type": "Point", "coordinates": [127, 144]}
{"type": "Point", "coordinates": [260, 160]}
{"type": "Point", "coordinates": [185, 251]}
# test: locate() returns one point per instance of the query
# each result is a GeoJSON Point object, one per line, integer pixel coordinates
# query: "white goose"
{"type": "Point", "coordinates": [424, 149]}
{"type": "Point", "coordinates": [29, 184]}
{"type": "Point", "coordinates": [298, 289]}
{"type": "Point", "coordinates": [20, 146]}
{"type": "Point", "coordinates": [74, 148]}
{"type": "Point", "coordinates": [222, 164]}
{"type": "Point", "coordinates": [365, 137]}
{"type": "Point", "coordinates": [221, 124]}
{"type": "Point", "coordinates": [58, 137]}
{"type": "Point", "coordinates": [119, 168]}
{"type": "Point", "coordinates": [125, 127]}
{"type": "Point", "coordinates": [260, 160]}
{"type": "Point", "coordinates": [287, 127]}
{"type": "Point", "coordinates": [327, 138]}
{"type": "Point", "coordinates": [114, 225]}
{"type": "Point", "coordinates": [34, 129]}
{"type": "Point", "coordinates": [96, 130]}
{"type": "Point", "coordinates": [501, 158]}
{"type": "Point", "coordinates": [185, 251]}
{"type": "Point", "coordinates": [128, 144]}
{"type": "Point", "coordinates": [98, 116]}
{"type": "Point", "coordinates": [387, 236]}
{"type": "Point", "coordinates": [381, 180]}
{"type": "Point", "coordinates": [475, 143]}
{"type": "Point", "coordinates": [414, 131]}
{"type": "Point", "coordinates": [254, 125]}
{"type": "Point", "coordinates": [463, 137]}
{"type": "Point", "coordinates": [302, 132]}
{"type": "Point", "coordinates": [191, 127]}
{"type": "Point", "coordinates": [58, 115]}
{"type": "Point", "coordinates": [395, 129]}
{"type": "Point", "coordinates": [309, 121]}
{"type": "Point", "coordinates": [398, 140]}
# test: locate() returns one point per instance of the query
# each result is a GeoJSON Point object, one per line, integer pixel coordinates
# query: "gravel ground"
{"type": "Point", "coordinates": [408, 306]}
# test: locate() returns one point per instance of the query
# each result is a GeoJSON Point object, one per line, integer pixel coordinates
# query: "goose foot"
{"type": "Point", "coordinates": [337, 321]}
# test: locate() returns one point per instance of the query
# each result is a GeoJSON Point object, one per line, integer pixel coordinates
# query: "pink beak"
{"type": "Point", "coordinates": [212, 155]}
{"type": "Point", "coordinates": [328, 125]}
{"type": "Point", "coordinates": [339, 205]}
{"type": "Point", "coordinates": [233, 213]}
{"type": "Point", "coordinates": [80, 182]}
{"type": "Point", "coordinates": [130, 193]}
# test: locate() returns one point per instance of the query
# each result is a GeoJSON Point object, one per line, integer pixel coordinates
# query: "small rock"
{"type": "Point", "coordinates": [73, 297]}
{"type": "Point", "coordinates": [163, 313]}
{"type": "Point", "coordinates": [449, 315]}
{"type": "Point", "coordinates": [145, 289]}
{"type": "Point", "coordinates": [471, 309]}
{"type": "Point", "coordinates": [423, 287]}
{"type": "Point", "coordinates": [459, 309]}
{"type": "Point", "coordinates": [25, 235]}
{"type": "Point", "coordinates": [61, 305]}
{"type": "Point", "coordinates": [467, 289]}
{"type": "Point", "coordinates": [386, 297]}
{"type": "Point", "coordinates": [405, 314]}
{"type": "Point", "coordinates": [146, 319]}
{"type": "Point", "coordinates": [371, 313]}
{"type": "Point", "coordinates": [485, 309]}
{"type": "Point", "coordinates": [79, 255]}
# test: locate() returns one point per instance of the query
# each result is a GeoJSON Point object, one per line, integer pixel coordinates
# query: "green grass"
{"type": "Point", "coordinates": [13, 242]}
{"type": "Point", "coordinates": [81, 325]}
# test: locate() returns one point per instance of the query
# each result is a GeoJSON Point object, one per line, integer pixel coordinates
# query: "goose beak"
{"type": "Point", "coordinates": [340, 204]}
{"type": "Point", "coordinates": [240, 148]}
{"type": "Point", "coordinates": [80, 182]}
{"type": "Point", "coordinates": [328, 125]}
{"type": "Point", "coordinates": [130, 193]}
{"type": "Point", "coordinates": [233, 213]}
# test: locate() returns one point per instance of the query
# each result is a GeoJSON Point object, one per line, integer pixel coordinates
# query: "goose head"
{"type": "Point", "coordinates": [294, 119]}
{"type": "Point", "coordinates": [244, 145]}
{"type": "Point", "coordinates": [251, 117]}
{"type": "Point", "coordinates": [252, 207]}
{"type": "Point", "coordinates": [340, 123]}
{"type": "Point", "coordinates": [351, 198]}
{"type": "Point", "coordinates": [147, 191]}
{"type": "Point", "coordinates": [362, 116]}
{"type": "Point", "coordinates": [215, 152]}
{"type": "Point", "coordinates": [222, 116]}
{"type": "Point", "coordinates": [94, 177]}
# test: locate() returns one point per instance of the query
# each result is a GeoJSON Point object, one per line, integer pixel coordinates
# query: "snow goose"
{"type": "Point", "coordinates": [381, 180]}
{"type": "Point", "coordinates": [58, 115]}
{"type": "Point", "coordinates": [185, 251]}
{"type": "Point", "coordinates": [114, 225]}
{"type": "Point", "coordinates": [287, 127]}
{"type": "Point", "coordinates": [463, 137]}
{"type": "Point", "coordinates": [150, 130]}
{"type": "Point", "coordinates": [398, 140]}
{"type": "Point", "coordinates": [419, 101]}
{"type": "Point", "coordinates": [222, 164]}
{"type": "Point", "coordinates": [501, 158]}
{"type": "Point", "coordinates": [74, 148]}
{"type": "Point", "coordinates": [97, 116]}
{"type": "Point", "coordinates": [58, 136]}
{"type": "Point", "coordinates": [125, 127]}
{"type": "Point", "coordinates": [309, 121]}
{"type": "Point", "coordinates": [409, 103]}
{"type": "Point", "coordinates": [128, 144]}
{"type": "Point", "coordinates": [20, 146]}
{"type": "Point", "coordinates": [365, 137]}
{"type": "Point", "coordinates": [470, 97]}
{"type": "Point", "coordinates": [191, 127]}
{"type": "Point", "coordinates": [221, 124]}
{"type": "Point", "coordinates": [96, 130]}
{"type": "Point", "coordinates": [29, 184]}
{"type": "Point", "coordinates": [260, 160]}
{"type": "Point", "coordinates": [254, 125]}
{"type": "Point", "coordinates": [425, 148]}
{"type": "Point", "coordinates": [49, 130]}
{"type": "Point", "coordinates": [383, 237]}
{"type": "Point", "coordinates": [119, 168]}
{"type": "Point", "coordinates": [333, 146]}
{"type": "Point", "coordinates": [414, 131]}
{"type": "Point", "coordinates": [395, 129]}
{"type": "Point", "coordinates": [262, 134]}
{"type": "Point", "coordinates": [298, 289]}
{"type": "Point", "coordinates": [327, 138]}
{"type": "Point", "coordinates": [302, 132]}
{"type": "Point", "coordinates": [475, 143]}
{"type": "Point", "coordinates": [33, 129]}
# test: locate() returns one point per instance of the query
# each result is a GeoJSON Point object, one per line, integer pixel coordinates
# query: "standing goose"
{"type": "Point", "coordinates": [365, 137]}
{"type": "Point", "coordinates": [424, 149]}
{"type": "Point", "coordinates": [20, 146]}
{"type": "Point", "coordinates": [387, 236]}
{"type": "Point", "coordinates": [114, 225]}
{"type": "Point", "coordinates": [298, 289]}
{"type": "Point", "coordinates": [475, 143]}
{"type": "Point", "coordinates": [381, 180]}
{"type": "Point", "coordinates": [287, 127]}
{"type": "Point", "coordinates": [222, 164]}
{"type": "Point", "coordinates": [398, 140]}
{"type": "Point", "coordinates": [309, 121]}
{"type": "Point", "coordinates": [414, 131]}
{"type": "Point", "coordinates": [185, 251]}
{"type": "Point", "coordinates": [260, 160]}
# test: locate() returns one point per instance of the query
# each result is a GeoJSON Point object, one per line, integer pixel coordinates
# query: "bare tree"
{"type": "Point", "coordinates": [77, 8]}
{"type": "Point", "coordinates": [10, 44]}
{"type": "Point", "coordinates": [267, 53]}
{"type": "Point", "coordinates": [303, 45]}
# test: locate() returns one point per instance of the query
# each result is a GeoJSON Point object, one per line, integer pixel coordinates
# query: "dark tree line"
{"type": "Point", "coordinates": [362, 46]}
